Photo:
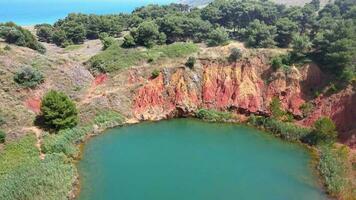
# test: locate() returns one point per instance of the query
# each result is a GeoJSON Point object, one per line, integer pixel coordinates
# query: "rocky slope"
{"type": "Point", "coordinates": [245, 87]}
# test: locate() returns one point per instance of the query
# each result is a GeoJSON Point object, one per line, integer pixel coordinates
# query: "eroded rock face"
{"type": "Point", "coordinates": [218, 85]}
{"type": "Point", "coordinates": [245, 87]}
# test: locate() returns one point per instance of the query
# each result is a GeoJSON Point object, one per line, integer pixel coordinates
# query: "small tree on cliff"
{"type": "Point", "coordinates": [58, 111]}
{"type": "Point", "coordinates": [276, 108]}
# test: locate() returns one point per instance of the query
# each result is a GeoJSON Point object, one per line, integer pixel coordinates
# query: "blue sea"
{"type": "Point", "coordinates": [30, 12]}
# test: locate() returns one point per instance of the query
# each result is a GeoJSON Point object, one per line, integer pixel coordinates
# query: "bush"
{"type": "Point", "coordinates": [7, 48]}
{"type": "Point", "coordinates": [44, 32]}
{"type": "Point", "coordinates": [106, 40]}
{"type": "Point", "coordinates": [285, 130]}
{"type": "Point", "coordinates": [324, 131]}
{"type": "Point", "coordinates": [213, 115]}
{"type": "Point", "coordinates": [155, 73]}
{"type": "Point", "coordinates": [59, 38]}
{"type": "Point", "coordinates": [276, 108]}
{"type": "Point", "coordinates": [147, 34]}
{"type": "Point", "coordinates": [276, 62]}
{"type": "Point", "coordinates": [217, 37]}
{"type": "Point", "coordinates": [58, 111]}
{"type": "Point", "coordinates": [2, 136]}
{"type": "Point", "coordinates": [235, 55]}
{"type": "Point", "coordinates": [28, 77]}
{"type": "Point", "coordinates": [190, 62]}
{"type": "Point", "coordinates": [129, 41]}
{"type": "Point", "coordinates": [306, 108]}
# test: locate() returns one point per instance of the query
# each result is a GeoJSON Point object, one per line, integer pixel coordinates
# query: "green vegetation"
{"type": "Point", "coordinates": [285, 130]}
{"type": "Point", "coordinates": [276, 109]}
{"type": "Point", "coordinates": [213, 115]}
{"type": "Point", "coordinates": [147, 34]}
{"type": "Point", "coordinates": [65, 140]}
{"type": "Point", "coordinates": [75, 28]}
{"type": "Point", "coordinates": [333, 169]}
{"type": "Point", "coordinates": [14, 34]}
{"type": "Point", "coordinates": [235, 55]}
{"type": "Point", "coordinates": [217, 37]}
{"type": "Point", "coordinates": [2, 120]}
{"type": "Point", "coordinates": [23, 175]}
{"type": "Point", "coordinates": [7, 48]}
{"type": "Point", "coordinates": [58, 111]}
{"type": "Point", "coordinates": [2, 136]}
{"type": "Point", "coordinates": [260, 35]}
{"type": "Point", "coordinates": [116, 58]}
{"type": "Point", "coordinates": [191, 62]}
{"type": "Point", "coordinates": [324, 131]}
{"type": "Point", "coordinates": [28, 77]}
{"type": "Point", "coordinates": [306, 108]}
{"type": "Point", "coordinates": [106, 40]}
{"type": "Point", "coordinates": [155, 73]}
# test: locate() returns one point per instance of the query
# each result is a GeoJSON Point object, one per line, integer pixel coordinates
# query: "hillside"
{"type": "Point", "coordinates": [289, 71]}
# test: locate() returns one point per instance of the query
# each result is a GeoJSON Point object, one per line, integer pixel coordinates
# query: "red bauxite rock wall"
{"type": "Point", "coordinates": [243, 87]}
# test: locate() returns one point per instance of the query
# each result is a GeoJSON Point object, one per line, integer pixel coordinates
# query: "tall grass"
{"type": "Point", "coordinates": [24, 176]}
{"type": "Point", "coordinates": [334, 171]}
{"type": "Point", "coordinates": [285, 130]}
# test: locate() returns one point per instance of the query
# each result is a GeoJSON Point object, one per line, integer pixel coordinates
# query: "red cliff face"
{"type": "Point", "coordinates": [244, 87]}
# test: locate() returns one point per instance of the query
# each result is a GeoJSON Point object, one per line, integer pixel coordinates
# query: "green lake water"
{"type": "Point", "coordinates": [187, 159]}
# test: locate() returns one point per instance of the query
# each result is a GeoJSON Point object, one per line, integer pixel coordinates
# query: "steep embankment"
{"type": "Point", "coordinates": [245, 87]}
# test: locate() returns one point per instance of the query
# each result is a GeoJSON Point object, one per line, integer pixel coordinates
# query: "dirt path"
{"type": "Point", "coordinates": [38, 133]}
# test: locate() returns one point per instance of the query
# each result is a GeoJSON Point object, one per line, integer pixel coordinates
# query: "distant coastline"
{"type": "Point", "coordinates": [32, 12]}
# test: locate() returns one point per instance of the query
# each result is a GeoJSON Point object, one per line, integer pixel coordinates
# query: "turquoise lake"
{"type": "Point", "coordinates": [186, 159]}
{"type": "Point", "coordinates": [30, 12]}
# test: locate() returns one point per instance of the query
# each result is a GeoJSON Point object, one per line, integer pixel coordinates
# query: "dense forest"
{"type": "Point", "coordinates": [325, 35]}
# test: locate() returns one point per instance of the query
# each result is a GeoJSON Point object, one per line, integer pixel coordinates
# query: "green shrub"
{"type": "Point", "coordinates": [147, 34]}
{"type": "Point", "coordinates": [190, 62]}
{"type": "Point", "coordinates": [2, 136]}
{"type": "Point", "coordinates": [285, 130]}
{"type": "Point", "coordinates": [276, 108]}
{"type": "Point", "coordinates": [155, 73]}
{"type": "Point", "coordinates": [276, 62]}
{"type": "Point", "coordinates": [44, 32]}
{"type": "Point", "coordinates": [7, 48]}
{"type": "Point", "coordinates": [324, 131]}
{"type": "Point", "coordinates": [235, 55]}
{"type": "Point", "coordinates": [106, 40]}
{"type": "Point", "coordinates": [58, 111]}
{"type": "Point", "coordinates": [129, 41]}
{"type": "Point", "coordinates": [108, 119]}
{"type": "Point", "coordinates": [28, 77]}
{"type": "Point", "coordinates": [217, 37]}
{"type": "Point", "coordinates": [213, 115]}
{"type": "Point", "coordinates": [65, 140]}
{"type": "Point", "coordinates": [306, 108]}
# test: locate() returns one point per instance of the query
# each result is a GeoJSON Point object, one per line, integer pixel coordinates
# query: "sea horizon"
{"type": "Point", "coordinates": [32, 12]}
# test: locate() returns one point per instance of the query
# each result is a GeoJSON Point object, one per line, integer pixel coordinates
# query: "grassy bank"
{"type": "Point", "coordinates": [116, 58]}
{"type": "Point", "coordinates": [24, 176]}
